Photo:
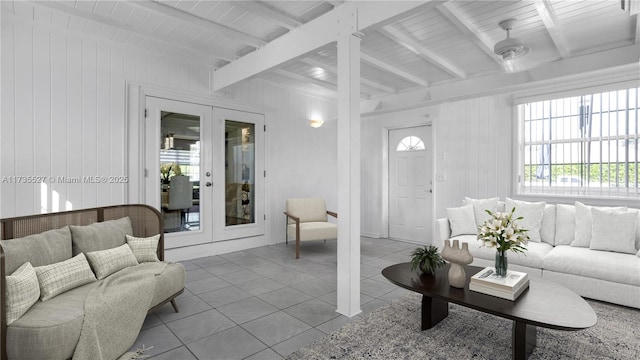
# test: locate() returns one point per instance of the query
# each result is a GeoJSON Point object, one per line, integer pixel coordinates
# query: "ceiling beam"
{"type": "Point", "coordinates": [463, 24]}
{"type": "Point", "coordinates": [392, 69]}
{"type": "Point", "coordinates": [307, 79]}
{"type": "Point", "coordinates": [178, 45]}
{"type": "Point", "coordinates": [548, 16]}
{"type": "Point", "coordinates": [349, 18]}
{"type": "Point", "coordinates": [332, 69]}
{"type": "Point", "coordinates": [261, 9]}
{"type": "Point", "coordinates": [202, 23]}
{"type": "Point", "coordinates": [412, 45]}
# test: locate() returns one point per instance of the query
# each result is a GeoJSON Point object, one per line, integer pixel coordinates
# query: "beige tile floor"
{"type": "Point", "coordinates": [264, 304]}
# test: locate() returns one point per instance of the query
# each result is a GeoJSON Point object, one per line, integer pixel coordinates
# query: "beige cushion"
{"type": "Point", "coordinates": [479, 207]}
{"type": "Point", "coordinates": [614, 231]}
{"type": "Point", "coordinates": [584, 223]}
{"type": "Point", "coordinates": [462, 220]}
{"type": "Point", "coordinates": [57, 278]}
{"type": "Point", "coordinates": [106, 262]}
{"type": "Point", "coordinates": [144, 249]}
{"type": "Point", "coordinates": [531, 213]}
{"type": "Point", "coordinates": [40, 249]}
{"type": "Point", "coordinates": [314, 231]}
{"type": "Point", "coordinates": [100, 236]}
{"type": "Point", "coordinates": [23, 290]}
{"type": "Point", "coordinates": [308, 210]}
{"type": "Point", "coordinates": [565, 224]}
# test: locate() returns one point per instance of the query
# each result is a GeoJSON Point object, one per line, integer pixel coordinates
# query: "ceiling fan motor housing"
{"type": "Point", "coordinates": [509, 48]}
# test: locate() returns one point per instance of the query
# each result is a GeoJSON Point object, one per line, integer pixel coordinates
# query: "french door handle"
{"type": "Point", "coordinates": [208, 184]}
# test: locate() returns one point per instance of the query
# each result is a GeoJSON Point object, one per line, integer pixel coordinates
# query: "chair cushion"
{"type": "Point", "coordinates": [40, 249]}
{"type": "Point", "coordinates": [314, 231]}
{"type": "Point", "coordinates": [533, 257]}
{"type": "Point", "coordinates": [594, 264]}
{"type": "Point", "coordinates": [100, 236]}
{"type": "Point", "coordinates": [308, 210]}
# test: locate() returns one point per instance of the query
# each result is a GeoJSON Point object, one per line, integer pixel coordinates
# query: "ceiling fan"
{"type": "Point", "coordinates": [509, 48]}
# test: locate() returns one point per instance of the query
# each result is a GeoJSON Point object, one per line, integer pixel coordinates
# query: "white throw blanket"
{"type": "Point", "coordinates": [114, 312]}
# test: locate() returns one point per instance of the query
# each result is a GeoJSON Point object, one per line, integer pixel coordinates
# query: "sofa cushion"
{"type": "Point", "coordinates": [565, 224]}
{"type": "Point", "coordinates": [57, 278]}
{"type": "Point", "coordinates": [533, 257]}
{"type": "Point", "coordinates": [531, 214]}
{"type": "Point", "coordinates": [100, 236]}
{"type": "Point", "coordinates": [548, 227]}
{"type": "Point", "coordinates": [106, 262]}
{"type": "Point", "coordinates": [144, 249]}
{"type": "Point", "coordinates": [462, 220]}
{"type": "Point", "coordinates": [50, 329]}
{"type": "Point", "coordinates": [40, 249]}
{"type": "Point", "coordinates": [23, 291]}
{"type": "Point", "coordinates": [479, 207]}
{"type": "Point", "coordinates": [584, 223]}
{"type": "Point", "coordinates": [614, 231]}
{"type": "Point", "coordinates": [595, 264]}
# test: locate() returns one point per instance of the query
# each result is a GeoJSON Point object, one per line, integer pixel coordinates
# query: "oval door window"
{"type": "Point", "coordinates": [410, 143]}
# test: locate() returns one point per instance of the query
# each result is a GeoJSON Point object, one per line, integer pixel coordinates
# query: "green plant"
{"type": "Point", "coordinates": [428, 259]}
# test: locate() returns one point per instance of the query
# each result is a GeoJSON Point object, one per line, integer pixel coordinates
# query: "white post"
{"type": "Point", "coordinates": [348, 175]}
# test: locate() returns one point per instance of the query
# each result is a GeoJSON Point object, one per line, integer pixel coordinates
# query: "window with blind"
{"type": "Point", "coordinates": [581, 145]}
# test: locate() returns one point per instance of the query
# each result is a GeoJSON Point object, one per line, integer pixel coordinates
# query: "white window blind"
{"type": "Point", "coordinates": [581, 145]}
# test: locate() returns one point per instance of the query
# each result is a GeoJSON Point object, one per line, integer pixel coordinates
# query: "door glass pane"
{"type": "Point", "coordinates": [239, 173]}
{"type": "Point", "coordinates": [180, 171]}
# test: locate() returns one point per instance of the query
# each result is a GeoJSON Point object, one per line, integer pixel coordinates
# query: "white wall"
{"type": "Point", "coordinates": [64, 114]}
{"type": "Point", "coordinates": [472, 150]}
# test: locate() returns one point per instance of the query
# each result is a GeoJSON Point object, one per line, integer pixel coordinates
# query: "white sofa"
{"type": "Point", "coordinates": [593, 251]}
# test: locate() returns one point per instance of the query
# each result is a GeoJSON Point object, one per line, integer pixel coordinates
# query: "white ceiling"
{"type": "Point", "coordinates": [437, 43]}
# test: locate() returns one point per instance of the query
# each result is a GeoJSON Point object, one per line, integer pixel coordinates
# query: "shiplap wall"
{"type": "Point", "coordinates": [64, 114]}
{"type": "Point", "coordinates": [472, 150]}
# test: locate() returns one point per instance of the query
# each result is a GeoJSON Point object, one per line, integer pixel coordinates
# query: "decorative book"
{"type": "Point", "coordinates": [509, 287]}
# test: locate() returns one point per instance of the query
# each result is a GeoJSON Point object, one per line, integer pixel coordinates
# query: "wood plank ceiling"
{"type": "Point", "coordinates": [440, 43]}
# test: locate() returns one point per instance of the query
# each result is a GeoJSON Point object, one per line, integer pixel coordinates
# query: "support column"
{"type": "Point", "coordinates": [349, 176]}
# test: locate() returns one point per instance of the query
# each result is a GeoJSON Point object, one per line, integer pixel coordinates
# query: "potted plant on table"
{"type": "Point", "coordinates": [428, 259]}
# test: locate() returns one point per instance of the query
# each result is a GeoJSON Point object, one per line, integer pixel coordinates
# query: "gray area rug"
{"type": "Point", "coordinates": [393, 332]}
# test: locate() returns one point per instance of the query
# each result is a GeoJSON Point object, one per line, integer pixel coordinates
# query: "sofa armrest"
{"type": "Point", "coordinates": [443, 232]}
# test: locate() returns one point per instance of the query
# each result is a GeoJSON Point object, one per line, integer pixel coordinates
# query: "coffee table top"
{"type": "Point", "coordinates": [545, 303]}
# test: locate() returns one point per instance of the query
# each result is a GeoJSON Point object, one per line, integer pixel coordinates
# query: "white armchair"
{"type": "Point", "coordinates": [307, 220]}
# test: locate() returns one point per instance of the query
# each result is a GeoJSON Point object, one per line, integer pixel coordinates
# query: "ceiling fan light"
{"type": "Point", "coordinates": [510, 48]}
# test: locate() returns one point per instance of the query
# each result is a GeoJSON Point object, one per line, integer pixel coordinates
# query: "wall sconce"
{"type": "Point", "coordinates": [316, 123]}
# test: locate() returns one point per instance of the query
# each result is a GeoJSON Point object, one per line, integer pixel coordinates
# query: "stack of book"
{"type": "Point", "coordinates": [509, 287]}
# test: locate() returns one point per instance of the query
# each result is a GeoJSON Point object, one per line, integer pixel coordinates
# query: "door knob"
{"type": "Point", "coordinates": [208, 184]}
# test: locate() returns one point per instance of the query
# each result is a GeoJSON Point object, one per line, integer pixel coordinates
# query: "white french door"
{"type": "Point", "coordinates": [410, 186]}
{"type": "Point", "coordinates": [179, 138]}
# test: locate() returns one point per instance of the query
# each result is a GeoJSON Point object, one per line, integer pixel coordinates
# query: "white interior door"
{"type": "Point", "coordinates": [178, 169]}
{"type": "Point", "coordinates": [410, 184]}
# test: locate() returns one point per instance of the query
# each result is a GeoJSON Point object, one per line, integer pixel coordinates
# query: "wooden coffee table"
{"type": "Point", "coordinates": [545, 304]}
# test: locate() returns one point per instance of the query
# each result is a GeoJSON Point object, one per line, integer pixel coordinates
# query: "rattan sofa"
{"type": "Point", "coordinates": [145, 222]}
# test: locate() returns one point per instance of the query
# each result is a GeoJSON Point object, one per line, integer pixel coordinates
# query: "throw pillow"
{"type": "Point", "coordinates": [614, 231]}
{"type": "Point", "coordinates": [106, 262]}
{"type": "Point", "coordinates": [565, 224]}
{"type": "Point", "coordinates": [531, 214]}
{"type": "Point", "coordinates": [637, 211]}
{"type": "Point", "coordinates": [39, 249]}
{"type": "Point", "coordinates": [548, 227]}
{"type": "Point", "coordinates": [101, 235]}
{"type": "Point", "coordinates": [584, 223]}
{"type": "Point", "coordinates": [144, 249]}
{"type": "Point", "coordinates": [462, 220]}
{"type": "Point", "coordinates": [479, 207]}
{"type": "Point", "coordinates": [23, 291]}
{"type": "Point", "coordinates": [57, 278]}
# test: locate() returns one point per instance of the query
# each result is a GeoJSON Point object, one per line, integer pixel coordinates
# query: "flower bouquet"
{"type": "Point", "coordinates": [502, 232]}
{"type": "Point", "coordinates": [168, 170]}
